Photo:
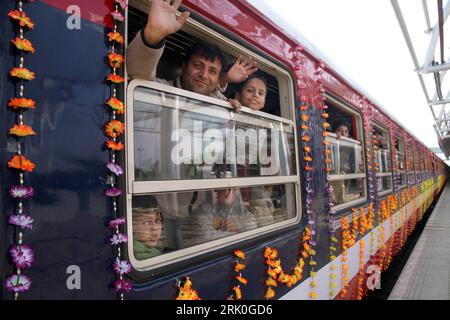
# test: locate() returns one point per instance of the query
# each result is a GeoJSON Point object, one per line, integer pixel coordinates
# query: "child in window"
{"type": "Point", "coordinates": [147, 228]}
{"type": "Point", "coordinates": [252, 92]}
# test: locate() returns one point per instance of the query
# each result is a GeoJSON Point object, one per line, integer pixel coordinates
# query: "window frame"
{"type": "Point", "coordinates": [379, 127]}
{"type": "Point", "coordinates": [287, 110]}
{"type": "Point", "coordinates": [360, 134]}
{"type": "Point", "coordinates": [402, 140]}
{"type": "Point", "coordinates": [412, 163]}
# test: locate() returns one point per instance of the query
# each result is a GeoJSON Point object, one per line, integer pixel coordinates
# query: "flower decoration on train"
{"type": "Point", "coordinates": [239, 266]}
{"type": "Point", "coordinates": [22, 73]}
{"type": "Point", "coordinates": [23, 45]}
{"type": "Point", "coordinates": [116, 105]}
{"type": "Point", "coordinates": [21, 17]}
{"type": "Point", "coordinates": [18, 283]}
{"type": "Point", "coordinates": [22, 221]}
{"type": "Point", "coordinates": [21, 192]}
{"type": "Point", "coordinates": [115, 146]}
{"type": "Point", "coordinates": [114, 129]}
{"type": "Point", "coordinates": [114, 78]}
{"type": "Point", "coordinates": [186, 291]}
{"type": "Point", "coordinates": [115, 168]}
{"type": "Point", "coordinates": [21, 254]}
{"type": "Point", "coordinates": [21, 103]}
{"type": "Point", "coordinates": [21, 131]}
{"type": "Point", "coordinates": [115, 37]}
{"type": "Point", "coordinates": [21, 163]}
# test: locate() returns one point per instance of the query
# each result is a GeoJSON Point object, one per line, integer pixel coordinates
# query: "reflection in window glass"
{"type": "Point", "coordinates": [347, 178]}
{"type": "Point", "coordinates": [401, 159]}
{"type": "Point", "coordinates": [169, 222]}
{"type": "Point", "coordinates": [178, 138]}
{"type": "Point", "coordinates": [383, 161]}
{"type": "Point", "coordinates": [346, 191]}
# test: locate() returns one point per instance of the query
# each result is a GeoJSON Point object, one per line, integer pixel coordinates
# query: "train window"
{"type": "Point", "coordinates": [201, 177]}
{"type": "Point", "coordinates": [417, 165]}
{"type": "Point", "coordinates": [348, 177]}
{"type": "Point", "coordinates": [383, 163]}
{"type": "Point", "coordinates": [400, 157]}
{"type": "Point", "coordinates": [410, 166]}
{"type": "Point", "coordinates": [178, 44]}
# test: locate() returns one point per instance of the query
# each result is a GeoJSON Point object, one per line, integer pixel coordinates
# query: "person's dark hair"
{"type": "Point", "coordinates": [205, 50]}
{"type": "Point", "coordinates": [145, 202]}
{"type": "Point", "coordinates": [253, 76]}
{"type": "Point", "coordinates": [340, 123]}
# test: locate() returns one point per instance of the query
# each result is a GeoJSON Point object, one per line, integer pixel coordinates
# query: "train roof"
{"type": "Point", "coordinates": [291, 31]}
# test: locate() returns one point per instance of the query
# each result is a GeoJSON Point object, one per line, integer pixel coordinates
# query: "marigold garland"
{"type": "Point", "coordinates": [238, 267]}
{"type": "Point", "coordinates": [113, 130]}
{"type": "Point", "coordinates": [186, 292]}
{"type": "Point", "coordinates": [21, 254]}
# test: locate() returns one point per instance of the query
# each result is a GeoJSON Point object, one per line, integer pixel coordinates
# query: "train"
{"type": "Point", "coordinates": [86, 150]}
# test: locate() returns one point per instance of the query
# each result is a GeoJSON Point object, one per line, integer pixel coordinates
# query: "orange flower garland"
{"type": "Point", "coordinates": [21, 254]}
{"type": "Point", "coordinates": [21, 163]}
{"type": "Point", "coordinates": [186, 292]}
{"type": "Point", "coordinates": [238, 267]}
{"type": "Point", "coordinates": [114, 129]}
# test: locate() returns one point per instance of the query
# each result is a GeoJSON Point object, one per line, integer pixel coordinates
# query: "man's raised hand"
{"type": "Point", "coordinates": [163, 21]}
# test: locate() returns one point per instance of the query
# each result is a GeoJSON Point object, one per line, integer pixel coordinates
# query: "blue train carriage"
{"type": "Point", "coordinates": [102, 201]}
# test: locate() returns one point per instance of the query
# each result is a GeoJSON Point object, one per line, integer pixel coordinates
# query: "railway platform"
{"type": "Point", "coordinates": [426, 275]}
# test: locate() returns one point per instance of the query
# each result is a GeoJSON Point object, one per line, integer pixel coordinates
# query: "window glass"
{"type": "Point", "coordinates": [400, 156]}
{"type": "Point", "coordinates": [177, 137]}
{"type": "Point", "coordinates": [383, 161]}
{"type": "Point", "coordinates": [165, 223]}
{"type": "Point", "coordinates": [348, 172]}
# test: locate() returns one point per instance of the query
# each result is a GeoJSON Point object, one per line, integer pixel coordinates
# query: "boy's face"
{"type": "Point", "coordinates": [201, 75]}
{"type": "Point", "coordinates": [342, 131]}
{"type": "Point", "coordinates": [147, 226]}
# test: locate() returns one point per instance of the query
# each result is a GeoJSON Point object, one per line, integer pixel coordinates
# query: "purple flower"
{"type": "Point", "coordinates": [311, 222]}
{"type": "Point", "coordinates": [309, 211]}
{"type": "Point", "coordinates": [22, 256]}
{"type": "Point", "coordinates": [21, 192]}
{"type": "Point", "coordinates": [118, 16]}
{"type": "Point", "coordinates": [113, 192]}
{"type": "Point", "coordinates": [118, 239]}
{"type": "Point", "coordinates": [309, 201]}
{"type": "Point", "coordinates": [123, 3]}
{"type": "Point", "coordinates": [117, 222]}
{"type": "Point", "coordinates": [115, 168]}
{"type": "Point", "coordinates": [309, 190]}
{"type": "Point", "coordinates": [123, 285]}
{"type": "Point", "coordinates": [16, 283]}
{"type": "Point", "coordinates": [25, 222]}
{"type": "Point", "coordinates": [312, 243]}
{"type": "Point", "coordinates": [122, 267]}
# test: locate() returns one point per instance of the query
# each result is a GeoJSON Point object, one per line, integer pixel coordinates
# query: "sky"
{"type": "Point", "coordinates": [363, 39]}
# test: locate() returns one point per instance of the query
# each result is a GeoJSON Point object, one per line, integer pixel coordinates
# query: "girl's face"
{"type": "Point", "coordinates": [147, 227]}
{"type": "Point", "coordinates": [253, 95]}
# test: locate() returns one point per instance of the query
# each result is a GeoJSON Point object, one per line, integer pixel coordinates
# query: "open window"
{"type": "Point", "coordinates": [207, 177]}
{"type": "Point", "coordinates": [348, 176]}
{"type": "Point", "coordinates": [383, 161]}
{"type": "Point", "coordinates": [401, 159]}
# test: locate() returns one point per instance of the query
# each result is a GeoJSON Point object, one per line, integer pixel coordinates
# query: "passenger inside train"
{"type": "Point", "coordinates": [202, 70]}
{"type": "Point", "coordinates": [148, 232]}
{"type": "Point", "coordinates": [194, 218]}
{"type": "Point", "coordinates": [347, 177]}
{"type": "Point", "coordinates": [382, 153]}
